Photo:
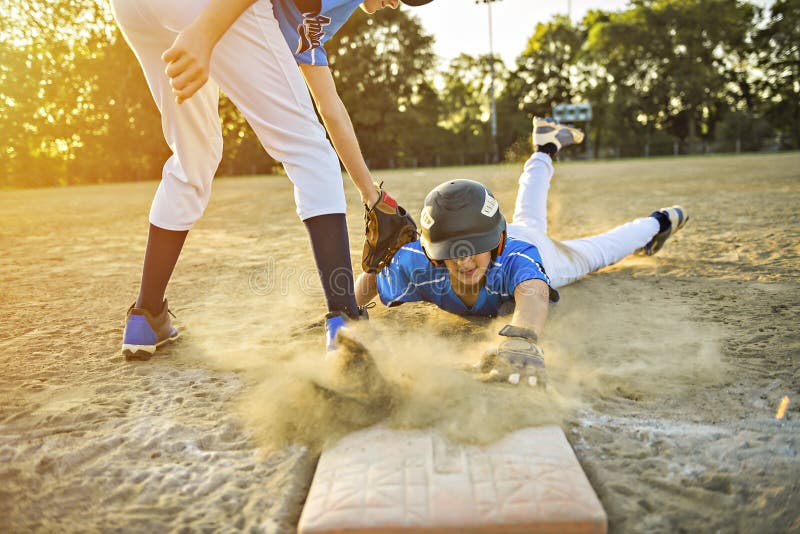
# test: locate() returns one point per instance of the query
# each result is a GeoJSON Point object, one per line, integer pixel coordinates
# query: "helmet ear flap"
{"type": "Point", "coordinates": [500, 246]}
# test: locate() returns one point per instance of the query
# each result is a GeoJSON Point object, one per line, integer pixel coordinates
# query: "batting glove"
{"type": "Point", "coordinates": [515, 360]}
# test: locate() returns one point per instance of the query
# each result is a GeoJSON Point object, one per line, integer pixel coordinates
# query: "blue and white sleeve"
{"type": "Point", "coordinates": [395, 283]}
{"type": "Point", "coordinates": [525, 264]}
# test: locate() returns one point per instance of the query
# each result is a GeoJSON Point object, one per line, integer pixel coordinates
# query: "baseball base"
{"type": "Point", "coordinates": [390, 481]}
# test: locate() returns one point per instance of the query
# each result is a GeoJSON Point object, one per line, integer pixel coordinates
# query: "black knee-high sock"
{"type": "Point", "coordinates": [331, 248]}
{"type": "Point", "coordinates": [163, 249]}
{"type": "Point", "coordinates": [663, 221]}
{"type": "Point", "coordinates": [549, 148]}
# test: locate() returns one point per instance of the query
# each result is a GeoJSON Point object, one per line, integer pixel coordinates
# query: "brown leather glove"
{"type": "Point", "coordinates": [388, 227]}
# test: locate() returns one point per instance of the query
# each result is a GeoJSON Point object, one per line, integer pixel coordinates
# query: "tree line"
{"type": "Point", "coordinates": [662, 76]}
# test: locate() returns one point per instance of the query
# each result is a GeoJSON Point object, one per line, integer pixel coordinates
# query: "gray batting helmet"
{"type": "Point", "coordinates": [461, 218]}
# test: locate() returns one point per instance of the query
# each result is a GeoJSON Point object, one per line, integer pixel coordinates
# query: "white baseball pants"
{"type": "Point", "coordinates": [567, 261]}
{"type": "Point", "coordinates": [253, 66]}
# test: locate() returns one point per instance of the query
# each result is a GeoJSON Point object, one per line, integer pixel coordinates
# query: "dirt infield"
{"type": "Point", "coordinates": [668, 371]}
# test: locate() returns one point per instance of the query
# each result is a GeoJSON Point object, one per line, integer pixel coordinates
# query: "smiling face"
{"type": "Point", "coordinates": [371, 6]}
{"type": "Point", "coordinates": [468, 272]}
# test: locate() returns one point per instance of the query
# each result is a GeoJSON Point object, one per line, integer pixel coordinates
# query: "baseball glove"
{"type": "Point", "coordinates": [388, 227]}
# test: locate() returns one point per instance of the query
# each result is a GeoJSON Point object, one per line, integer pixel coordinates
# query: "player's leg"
{"type": "Point", "coordinates": [530, 208]}
{"type": "Point", "coordinates": [548, 137]}
{"type": "Point", "coordinates": [670, 220]}
{"type": "Point", "coordinates": [193, 133]}
{"type": "Point", "coordinates": [255, 68]}
{"type": "Point", "coordinates": [568, 261]}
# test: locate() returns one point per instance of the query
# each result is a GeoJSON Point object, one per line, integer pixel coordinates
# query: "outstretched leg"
{"type": "Point", "coordinates": [530, 209]}
{"type": "Point", "coordinates": [568, 261]}
{"type": "Point", "coordinates": [574, 259]}
{"type": "Point", "coordinates": [571, 260]}
{"type": "Point", "coordinates": [548, 137]}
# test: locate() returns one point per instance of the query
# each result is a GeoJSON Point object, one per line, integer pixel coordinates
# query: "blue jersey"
{"type": "Point", "coordinates": [308, 24]}
{"type": "Point", "coordinates": [412, 277]}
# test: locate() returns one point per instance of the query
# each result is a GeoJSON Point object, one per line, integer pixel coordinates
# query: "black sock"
{"type": "Point", "coordinates": [549, 148]}
{"type": "Point", "coordinates": [328, 234]}
{"type": "Point", "coordinates": [663, 221]}
{"type": "Point", "coordinates": [163, 249]}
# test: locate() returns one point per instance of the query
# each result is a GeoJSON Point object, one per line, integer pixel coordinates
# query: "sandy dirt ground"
{"type": "Point", "coordinates": [667, 371]}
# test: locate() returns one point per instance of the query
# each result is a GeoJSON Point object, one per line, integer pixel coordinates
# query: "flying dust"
{"type": "Point", "coordinates": [416, 373]}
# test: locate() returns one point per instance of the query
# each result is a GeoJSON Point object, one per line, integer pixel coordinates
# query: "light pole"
{"type": "Point", "coordinates": [493, 105]}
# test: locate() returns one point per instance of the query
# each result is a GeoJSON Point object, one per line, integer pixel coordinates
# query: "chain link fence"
{"type": "Point", "coordinates": [520, 151]}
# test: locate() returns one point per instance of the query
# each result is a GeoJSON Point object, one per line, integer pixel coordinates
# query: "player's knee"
{"type": "Point", "coordinates": [200, 171]}
{"type": "Point", "coordinates": [211, 160]}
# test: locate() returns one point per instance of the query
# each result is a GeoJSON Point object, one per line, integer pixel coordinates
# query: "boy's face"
{"type": "Point", "coordinates": [371, 6]}
{"type": "Point", "coordinates": [469, 271]}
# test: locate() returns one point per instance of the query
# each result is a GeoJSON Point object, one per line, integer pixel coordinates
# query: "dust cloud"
{"type": "Point", "coordinates": [605, 343]}
{"type": "Point", "coordinates": [417, 369]}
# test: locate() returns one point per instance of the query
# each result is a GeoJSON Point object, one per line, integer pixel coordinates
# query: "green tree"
{"type": "Point", "coordinates": [778, 43]}
{"type": "Point", "coordinates": [380, 64]}
{"type": "Point", "coordinates": [628, 100]}
{"type": "Point", "coordinates": [467, 105]}
{"type": "Point", "coordinates": [547, 72]}
{"type": "Point", "coordinates": [547, 68]}
{"type": "Point", "coordinates": [424, 140]}
{"type": "Point", "coordinates": [666, 60]}
{"type": "Point", "coordinates": [42, 92]}
{"type": "Point", "coordinates": [73, 100]}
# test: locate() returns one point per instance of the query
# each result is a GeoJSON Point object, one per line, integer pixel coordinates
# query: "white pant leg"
{"type": "Point", "coordinates": [568, 261]}
{"type": "Point", "coordinates": [530, 209]}
{"type": "Point", "coordinates": [262, 79]}
{"type": "Point", "coordinates": [192, 130]}
{"type": "Point", "coordinates": [253, 65]}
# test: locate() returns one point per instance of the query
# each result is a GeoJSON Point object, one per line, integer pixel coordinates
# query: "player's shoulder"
{"type": "Point", "coordinates": [517, 253]}
{"type": "Point", "coordinates": [409, 267]}
{"type": "Point", "coordinates": [411, 254]}
{"type": "Point", "coordinates": [515, 244]}
{"type": "Point", "coordinates": [308, 24]}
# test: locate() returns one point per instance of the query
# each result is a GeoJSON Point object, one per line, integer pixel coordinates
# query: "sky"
{"type": "Point", "coordinates": [463, 26]}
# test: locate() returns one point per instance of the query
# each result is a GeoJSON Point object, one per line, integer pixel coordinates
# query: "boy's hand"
{"type": "Point", "coordinates": [515, 360]}
{"type": "Point", "coordinates": [188, 64]}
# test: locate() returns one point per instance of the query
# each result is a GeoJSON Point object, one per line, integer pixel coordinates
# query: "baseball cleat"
{"type": "Point", "coordinates": [677, 217]}
{"type": "Point", "coordinates": [352, 380]}
{"type": "Point", "coordinates": [144, 332]}
{"type": "Point", "coordinates": [336, 321]}
{"type": "Point", "coordinates": [547, 130]}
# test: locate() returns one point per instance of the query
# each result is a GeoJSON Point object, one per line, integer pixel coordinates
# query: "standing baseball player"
{"type": "Point", "coordinates": [189, 50]}
{"type": "Point", "coordinates": [469, 262]}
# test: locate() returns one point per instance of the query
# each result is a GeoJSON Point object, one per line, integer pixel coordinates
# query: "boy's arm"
{"type": "Point", "coordinates": [366, 288]}
{"type": "Point", "coordinates": [388, 226]}
{"type": "Point", "coordinates": [189, 58]}
{"type": "Point", "coordinates": [517, 356]}
{"type": "Point", "coordinates": [532, 299]}
{"type": "Point", "coordinates": [340, 128]}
